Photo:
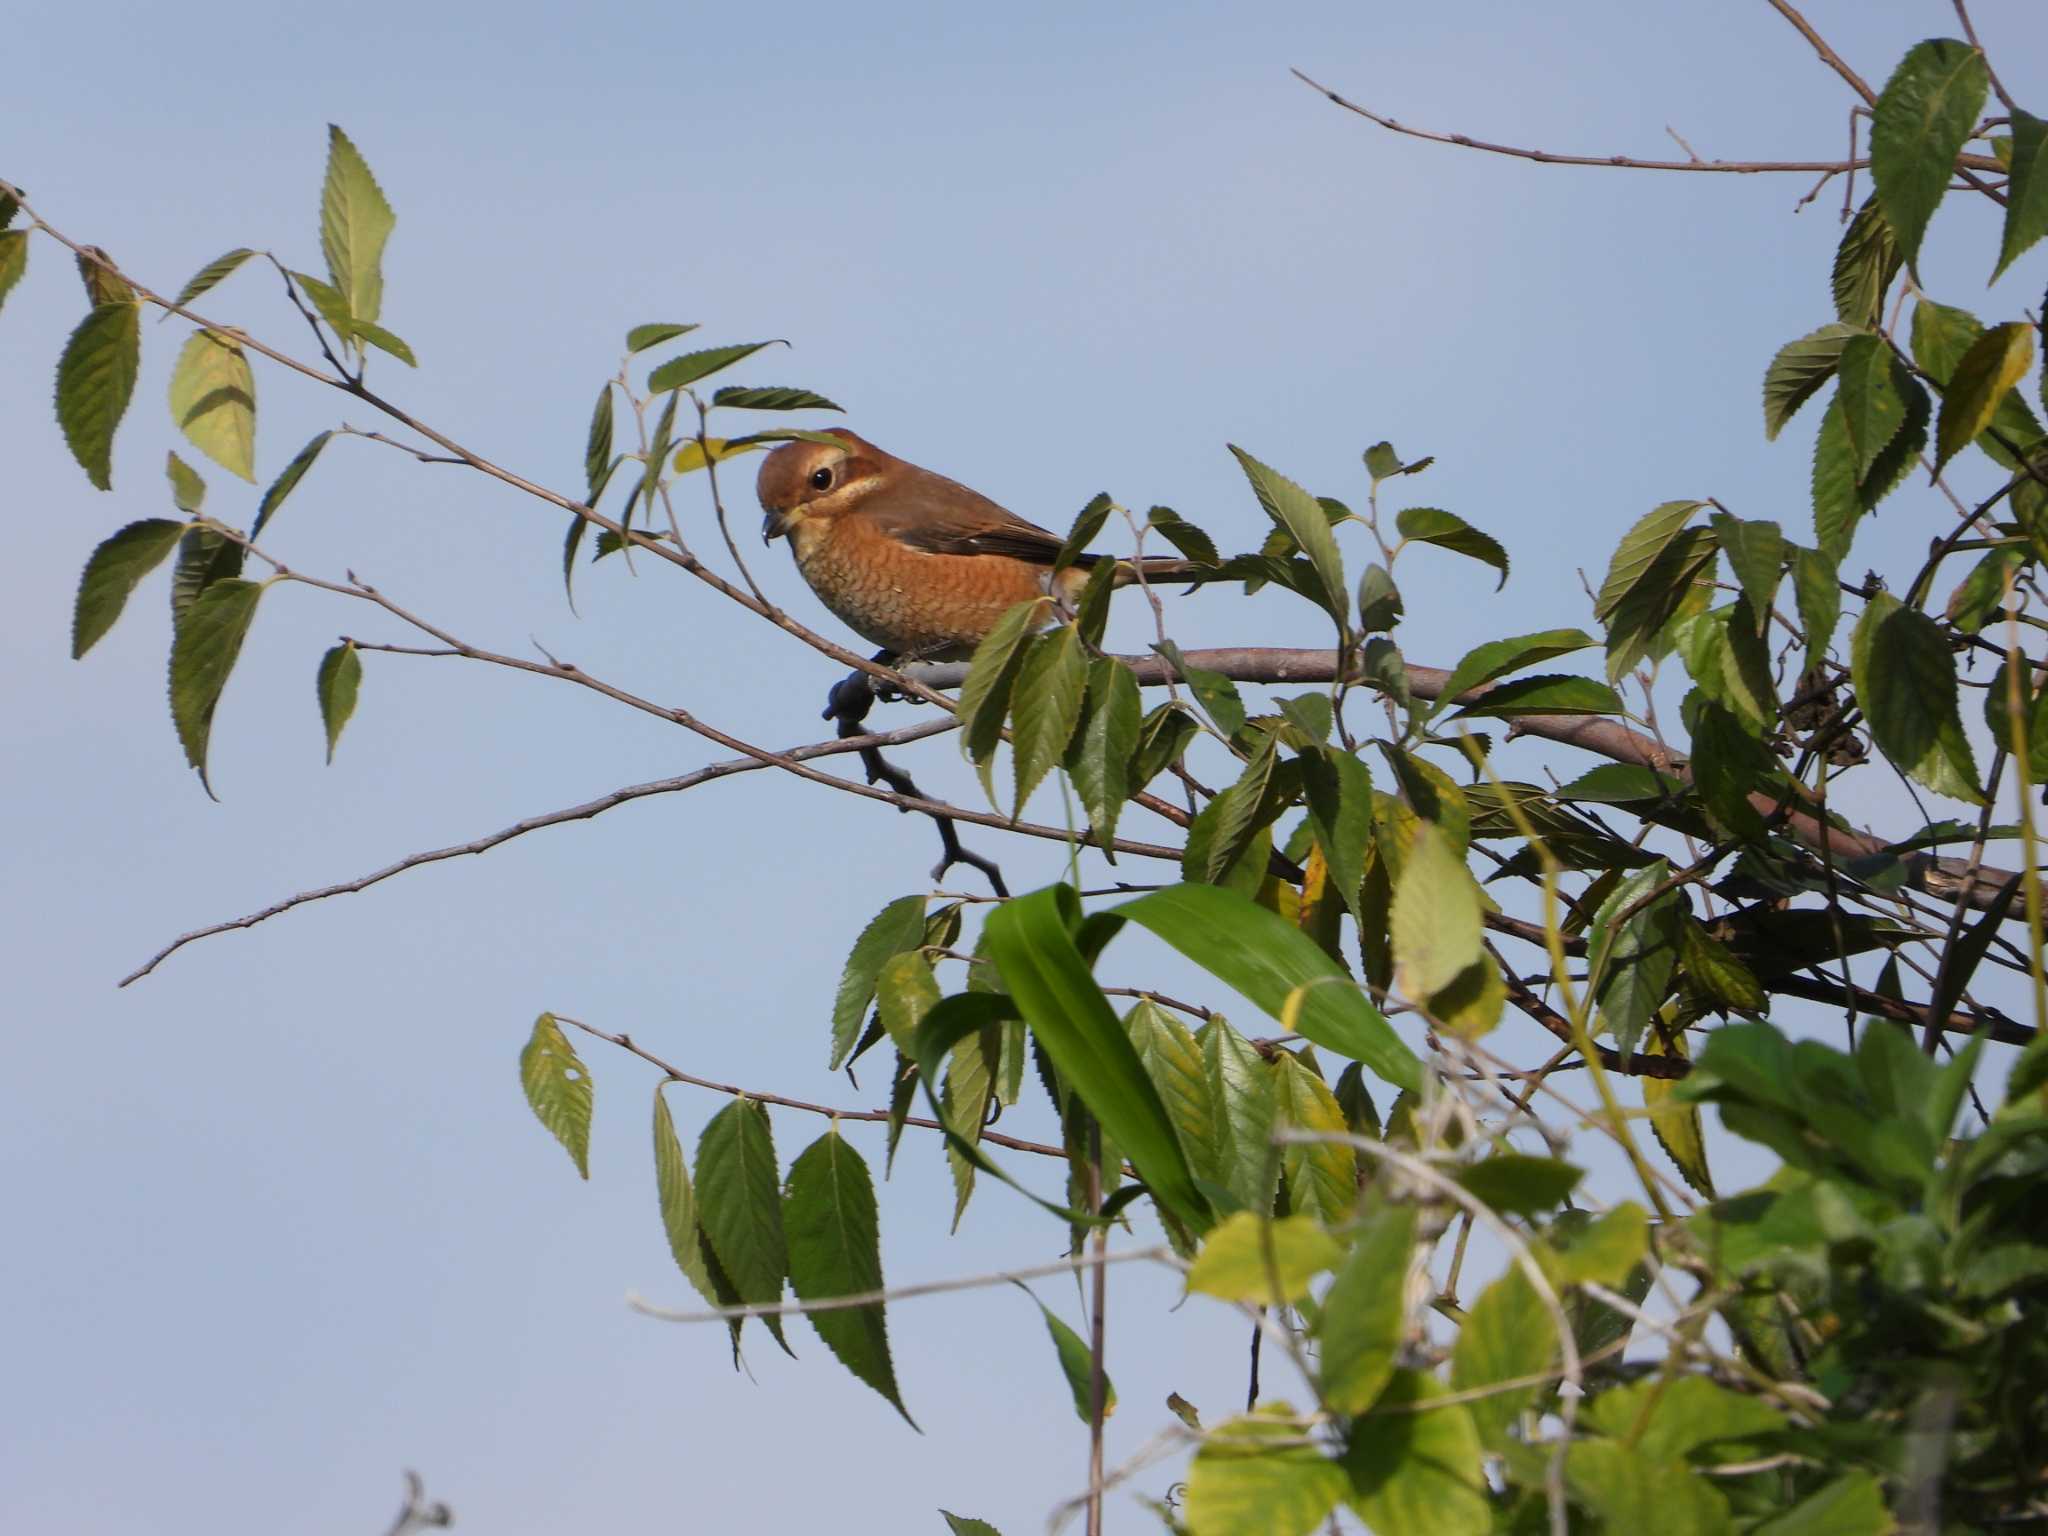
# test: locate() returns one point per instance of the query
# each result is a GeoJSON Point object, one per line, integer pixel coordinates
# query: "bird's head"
{"type": "Point", "coordinates": [803, 481]}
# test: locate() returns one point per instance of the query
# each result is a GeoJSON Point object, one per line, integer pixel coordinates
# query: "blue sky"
{"type": "Point", "coordinates": [281, 1222]}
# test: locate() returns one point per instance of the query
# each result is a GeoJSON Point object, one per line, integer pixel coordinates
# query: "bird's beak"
{"type": "Point", "coordinates": [774, 526]}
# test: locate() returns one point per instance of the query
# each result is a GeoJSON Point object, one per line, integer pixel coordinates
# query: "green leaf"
{"type": "Point", "coordinates": [102, 278]}
{"type": "Point", "coordinates": [966, 1094]}
{"type": "Point", "coordinates": [1669, 1420]}
{"type": "Point", "coordinates": [1941, 337]}
{"type": "Point", "coordinates": [1045, 707]}
{"type": "Point", "coordinates": [203, 652]}
{"type": "Point", "coordinates": [1216, 693]}
{"type": "Point", "coordinates": [834, 1239]}
{"type": "Point", "coordinates": [1099, 755]}
{"type": "Point", "coordinates": [692, 366]}
{"type": "Point", "coordinates": [95, 378]}
{"type": "Point", "coordinates": [1676, 1123]}
{"type": "Point", "coordinates": [329, 301]}
{"type": "Point", "coordinates": [679, 1202]}
{"type": "Point", "coordinates": [1631, 1492]}
{"type": "Point", "coordinates": [1550, 693]}
{"type": "Point", "coordinates": [1866, 262]}
{"type": "Point", "coordinates": [1087, 524]}
{"type": "Point", "coordinates": [384, 341]}
{"type": "Point", "coordinates": [1338, 788]}
{"type": "Point", "coordinates": [1077, 1363]}
{"type": "Point", "coordinates": [1819, 594]}
{"type": "Point", "coordinates": [1497, 658]}
{"type": "Point", "coordinates": [1383, 463]}
{"type": "Point", "coordinates": [1838, 500]}
{"type": "Point", "coordinates": [1280, 969]}
{"type": "Point", "coordinates": [905, 991]}
{"type": "Point", "coordinates": [1183, 535]}
{"type": "Point", "coordinates": [1874, 391]}
{"type": "Point", "coordinates": [985, 696]}
{"type": "Point", "coordinates": [1260, 1475]}
{"type": "Point", "coordinates": [897, 927]}
{"type": "Point", "coordinates": [213, 400]}
{"type": "Point", "coordinates": [1756, 553]}
{"type": "Point", "coordinates": [2026, 209]}
{"type": "Point", "coordinates": [1725, 653]}
{"type": "Point", "coordinates": [1983, 377]}
{"type": "Point", "coordinates": [340, 675]}
{"type": "Point", "coordinates": [1601, 1249]}
{"type": "Point", "coordinates": [740, 1207]}
{"type": "Point", "coordinates": [1175, 1062]}
{"type": "Point", "coordinates": [1923, 117]}
{"type": "Point", "coordinates": [962, 1526]}
{"type": "Point", "coordinates": [1320, 1177]}
{"type": "Point", "coordinates": [288, 481]}
{"type": "Point", "coordinates": [1244, 1106]}
{"type": "Point", "coordinates": [1520, 1185]}
{"type": "Point", "coordinates": [1980, 596]}
{"type": "Point", "coordinates": [1905, 678]}
{"type": "Point", "coordinates": [1297, 512]}
{"type": "Point", "coordinates": [211, 273]}
{"type": "Point", "coordinates": [597, 448]}
{"type": "Point", "coordinates": [1223, 840]}
{"type": "Point", "coordinates": [188, 491]}
{"type": "Point", "coordinates": [772, 398]}
{"type": "Point", "coordinates": [1248, 1257]}
{"type": "Point", "coordinates": [1800, 368]}
{"type": "Point", "coordinates": [113, 572]}
{"type": "Point", "coordinates": [1632, 960]}
{"type": "Point", "coordinates": [204, 557]}
{"type": "Point", "coordinates": [13, 260]}
{"type": "Point", "coordinates": [641, 337]}
{"type": "Point", "coordinates": [1851, 1505]}
{"type": "Point", "coordinates": [1364, 1319]}
{"type": "Point", "coordinates": [1433, 525]}
{"type": "Point", "coordinates": [1436, 929]}
{"type": "Point", "coordinates": [355, 221]}
{"type": "Point", "coordinates": [558, 1087]}
{"type": "Point", "coordinates": [1508, 1334]}
{"type": "Point", "coordinates": [1998, 719]}
{"type": "Point", "coordinates": [1031, 942]}
{"type": "Point", "coordinates": [1163, 737]}
{"type": "Point", "coordinates": [1416, 1470]}
{"type": "Point", "coordinates": [1651, 575]}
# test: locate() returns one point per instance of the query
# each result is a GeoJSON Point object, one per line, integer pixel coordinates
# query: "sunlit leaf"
{"type": "Point", "coordinates": [288, 481]}
{"type": "Point", "coordinates": [1923, 117]}
{"type": "Point", "coordinates": [897, 927]}
{"type": "Point", "coordinates": [95, 378]}
{"type": "Point", "coordinates": [1417, 1468]}
{"type": "Point", "coordinates": [1800, 368]}
{"type": "Point", "coordinates": [1905, 679]}
{"type": "Point", "coordinates": [739, 1205]}
{"type": "Point", "coordinates": [1251, 1258]}
{"type": "Point", "coordinates": [1260, 1475]}
{"type": "Point", "coordinates": [1984, 376]}
{"type": "Point", "coordinates": [211, 273]}
{"type": "Point", "coordinates": [558, 1087]}
{"type": "Point", "coordinates": [355, 221]}
{"type": "Point", "coordinates": [213, 400]}
{"type": "Point", "coordinates": [1446, 530]}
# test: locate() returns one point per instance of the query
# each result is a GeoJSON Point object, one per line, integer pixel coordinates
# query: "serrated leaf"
{"type": "Point", "coordinates": [641, 337]}
{"type": "Point", "coordinates": [1923, 117]}
{"type": "Point", "coordinates": [897, 927]}
{"type": "Point", "coordinates": [1866, 262]}
{"type": "Point", "coordinates": [1045, 707]}
{"type": "Point", "coordinates": [772, 398]}
{"type": "Point", "coordinates": [1446, 530]}
{"type": "Point", "coordinates": [1942, 335]}
{"type": "Point", "coordinates": [1508, 1334]}
{"type": "Point", "coordinates": [1301, 517]}
{"type": "Point", "coordinates": [1676, 1122]}
{"type": "Point", "coordinates": [1383, 463]}
{"type": "Point", "coordinates": [991, 673]}
{"type": "Point", "coordinates": [188, 491]}
{"type": "Point", "coordinates": [1800, 368]}
{"type": "Point", "coordinates": [95, 378]}
{"type": "Point", "coordinates": [597, 448]}
{"type": "Point", "coordinates": [1653, 568]}
{"type": "Point", "coordinates": [1998, 720]}
{"type": "Point", "coordinates": [331, 303]}
{"type": "Point", "coordinates": [1725, 653]}
{"type": "Point", "coordinates": [203, 652]}
{"type": "Point", "coordinates": [1364, 1320]}
{"type": "Point", "coordinates": [739, 1205]}
{"type": "Point", "coordinates": [1436, 926]}
{"type": "Point", "coordinates": [961, 1525]}
{"type": "Point", "coordinates": [1379, 600]}
{"type": "Point", "coordinates": [1271, 1262]}
{"type": "Point", "coordinates": [1819, 596]}
{"type": "Point", "coordinates": [1338, 788]}
{"type": "Point", "coordinates": [1320, 1177]}
{"type": "Point", "coordinates": [1874, 384]}
{"type": "Point", "coordinates": [213, 401]}
{"type": "Point", "coordinates": [1729, 761]}
{"type": "Point", "coordinates": [384, 341]}
{"type": "Point", "coordinates": [2026, 208]}
{"type": "Point", "coordinates": [1415, 1468]}
{"type": "Point", "coordinates": [1551, 693]}
{"type": "Point", "coordinates": [1983, 377]}
{"type": "Point", "coordinates": [1259, 1475]}
{"type": "Point", "coordinates": [204, 557]}
{"type": "Point", "coordinates": [1242, 1107]}
{"type": "Point", "coordinates": [288, 481]}
{"type": "Point", "coordinates": [1221, 838]}
{"type": "Point", "coordinates": [355, 222]}
{"type": "Point", "coordinates": [113, 572]}
{"type": "Point", "coordinates": [1497, 658]}
{"type": "Point", "coordinates": [1087, 524]}
{"type": "Point", "coordinates": [1173, 1060]}
{"type": "Point", "coordinates": [340, 676]}
{"type": "Point", "coordinates": [1980, 596]}
{"type": "Point", "coordinates": [679, 1203]}
{"type": "Point", "coordinates": [834, 1237]}
{"type": "Point", "coordinates": [13, 260]}
{"type": "Point", "coordinates": [211, 273]}
{"type": "Point", "coordinates": [1838, 500]}
{"type": "Point", "coordinates": [1099, 756]}
{"type": "Point", "coordinates": [1183, 535]}
{"type": "Point", "coordinates": [1905, 678]}
{"type": "Point", "coordinates": [1216, 693]}
{"type": "Point", "coordinates": [1517, 1184]}
{"type": "Point", "coordinates": [1756, 553]}
{"type": "Point", "coordinates": [102, 279]}
{"type": "Point", "coordinates": [1633, 957]}
{"type": "Point", "coordinates": [967, 1090]}
{"type": "Point", "coordinates": [558, 1087]}
{"type": "Point", "coordinates": [692, 366]}
{"type": "Point", "coordinates": [1077, 1363]}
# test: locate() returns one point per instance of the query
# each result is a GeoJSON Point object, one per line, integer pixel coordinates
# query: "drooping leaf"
{"type": "Point", "coordinates": [1247, 1257]}
{"type": "Point", "coordinates": [679, 1203]}
{"type": "Point", "coordinates": [102, 278]}
{"type": "Point", "coordinates": [1338, 788]}
{"type": "Point", "coordinates": [1297, 513]}
{"type": "Point", "coordinates": [739, 1205]}
{"type": "Point", "coordinates": [188, 491]}
{"type": "Point", "coordinates": [13, 260]}
{"type": "Point", "coordinates": [1838, 500]}
{"type": "Point", "coordinates": [1508, 1335]}
{"type": "Point", "coordinates": [288, 481]}
{"type": "Point", "coordinates": [897, 927]}
{"type": "Point", "coordinates": [1984, 376]}
{"type": "Point", "coordinates": [213, 401]}
{"type": "Point", "coordinates": [991, 674]}
{"type": "Point", "coordinates": [1652, 571]}
{"type": "Point", "coordinates": [1675, 1122]}
{"type": "Point", "coordinates": [1077, 1364]}
{"type": "Point", "coordinates": [116, 567]}
{"type": "Point", "coordinates": [204, 557]}
{"type": "Point", "coordinates": [558, 1087]}
{"type": "Point", "coordinates": [2026, 208]}
{"type": "Point", "coordinates": [692, 366]}
{"type": "Point", "coordinates": [1905, 678]}
{"type": "Point", "coordinates": [1942, 337]}
{"type": "Point", "coordinates": [1260, 1475]}
{"type": "Point", "coordinates": [968, 1088]}
{"type": "Point", "coordinates": [95, 378]}
{"type": "Point", "coordinates": [1725, 654]}
{"type": "Point", "coordinates": [1243, 1105]}
{"type": "Point", "coordinates": [1099, 755]}
{"type": "Point", "coordinates": [1045, 707]}
{"type": "Point", "coordinates": [355, 222]}
{"type": "Point", "coordinates": [1223, 844]}
{"type": "Point", "coordinates": [211, 273]}
{"type": "Point", "coordinates": [1800, 368]}
{"type": "Point", "coordinates": [1364, 1319]}
{"type": "Point", "coordinates": [1756, 553]}
{"type": "Point", "coordinates": [1436, 918]}
{"type": "Point", "coordinates": [641, 337]}
{"type": "Point", "coordinates": [340, 676]}
{"type": "Point", "coordinates": [1999, 717]}
{"type": "Point", "coordinates": [834, 1239]}
{"type": "Point", "coordinates": [1923, 117]}
{"type": "Point", "coordinates": [597, 447]}
{"type": "Point", "coordinates": [203, 653]}
{"type": "Point", "coordinates": [1866, 262]}
{"type": "Point", "coordinates": [1446, 530]}
{"type": "Point", "coordinates": [1819, 595]}
{"type": "Point", "coordinates": [1379, 600]}
{"type": "Point", "coordinates": [1418, 1468]}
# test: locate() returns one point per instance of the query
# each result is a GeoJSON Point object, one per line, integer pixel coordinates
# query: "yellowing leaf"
{"type": "Point", "coordinates": [213, 400]}
{"type": "Point", "coordinates": [1247, 1258]}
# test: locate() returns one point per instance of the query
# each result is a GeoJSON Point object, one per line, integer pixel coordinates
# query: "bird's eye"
{"type": "Point", "coordinates": [821, 479]}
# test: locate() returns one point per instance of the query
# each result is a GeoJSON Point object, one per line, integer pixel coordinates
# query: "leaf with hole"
{"type": "Point", "coordinates": [558, 1088]}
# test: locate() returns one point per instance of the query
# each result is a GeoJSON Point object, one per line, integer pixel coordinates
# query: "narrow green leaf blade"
{"type": "Point", "coordinates": [339, 678]}
{"type": "Point", "coordinates": [897, 927]}
{"type": "Point", "coordinates": [203, 652]}
{"type": "Point", "coordinates": [641, 337]}
{"type": "Point", "coordinates": [1297, 512]}
{"type": "Point", "coordinates": [288, 481]}
{"type": "Point", "coordinates": [1077, 1363]}
{"type": "Point", "coordinates": [1497, 658]}
{"type": "Point", "coordinates": [13, 260]}
{"type": "Point", "coordinates": [679, 1202]}
{"type": "Point", "coordinates": [1045, 707]}
{"type": "Point", "coordinates": [211, 273]}
{"type": "Point", "coordinates": [1984, 376]}
{"type": "Point", "coordinates": [692, 366]}
{"type": "Point", "coordinates": [1099, 757]}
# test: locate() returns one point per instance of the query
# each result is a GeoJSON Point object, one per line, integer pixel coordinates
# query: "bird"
{"type": "Point", "coordinates": [916, 563]}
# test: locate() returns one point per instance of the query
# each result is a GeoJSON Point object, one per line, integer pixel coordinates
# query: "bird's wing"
{"type": "Point", "coordinates": [942, 517]}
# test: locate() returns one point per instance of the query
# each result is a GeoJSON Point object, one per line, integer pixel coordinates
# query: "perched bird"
{"type": "Point", "coordinates": [917, 563]}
